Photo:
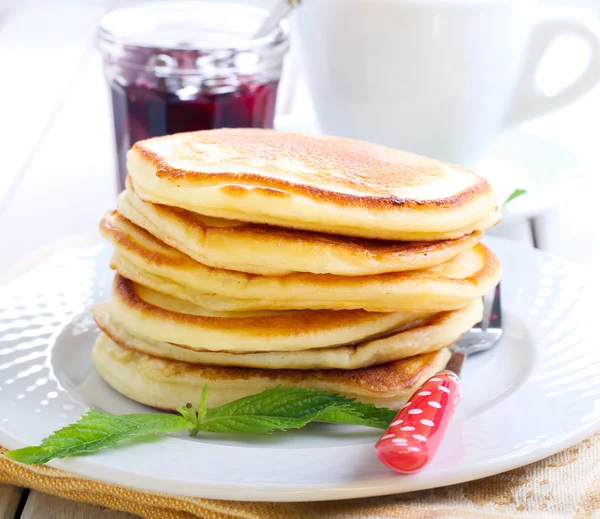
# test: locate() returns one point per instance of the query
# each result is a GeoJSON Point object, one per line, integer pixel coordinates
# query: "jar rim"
{"type": "Point", "coordinates": [112, 31]}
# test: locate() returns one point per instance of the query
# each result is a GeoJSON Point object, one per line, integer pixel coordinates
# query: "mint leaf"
{"type": "Point", "coordinates": [515, 194]}
{"type": "Point", "coordinates": [96, 430]}
{"type": "Point", "coordinates": [358, 414]}
{"type": "Point", "coordinates": [276, 409]}
{"type": "Point", "coordinates": [271, 410]}
{"type": "Point", "coordinates": [202, 407]}
{"type": "Point", "coordinates": [291, 408]}
{"type": "Point", "coordinates": [192, 416]}
{"type": "Point", "coordinates": [189, 413]}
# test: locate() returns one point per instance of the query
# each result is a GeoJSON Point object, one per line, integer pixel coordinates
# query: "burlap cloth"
{"type": "Point", "coordinates": [566, 485]}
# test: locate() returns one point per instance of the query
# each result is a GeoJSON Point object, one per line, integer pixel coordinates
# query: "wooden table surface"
{"type": "Point", "coordinates": [57, 176]}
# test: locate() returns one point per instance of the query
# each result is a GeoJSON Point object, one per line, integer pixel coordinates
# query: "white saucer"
{"type": "Point", "coordinates": [516, 160]}
{"type": "Point", "coordinates": [535, 394]}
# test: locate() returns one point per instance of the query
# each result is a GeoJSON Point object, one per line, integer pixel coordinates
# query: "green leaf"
{"type": "Point", "coordinates": [515, 194]}
{"type": "Point", "coordinates": [291, 408]}
{"type": "Point", "coordinates": [271, 410]}
{"type": "Point", "coordinates": [192, 416]}
{"type": "Point", "coordinates": [202, 407]}
{"type": "Point", "coordinates": [96, 430]}
{"type": "Point", "coordinates": [276, 409]}
{"type": "Point", "coordinates": [359, 414]}
{"type": "Point", "coordinates": [189, 413]}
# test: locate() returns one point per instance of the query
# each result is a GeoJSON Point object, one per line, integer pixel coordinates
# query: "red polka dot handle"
{"type": "Point", "coordinates": [414, 436]}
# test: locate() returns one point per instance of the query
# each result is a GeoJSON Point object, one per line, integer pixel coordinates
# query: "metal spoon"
{"type": "Point", "coordinates": [281, 11]}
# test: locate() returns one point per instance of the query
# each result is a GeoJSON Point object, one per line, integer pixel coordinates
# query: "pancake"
{"type": "Point", "coordinates": [166, 384]}
{"type": "Point", "coordinates": [161, 317]}
{"type": "Point", "coordinates": [146, 260]}
{"type": "Point", "coordinates": [277, 251]}
{"type": "Point", "coordinates": [312, 182]}
{"type": "Point", "coordinates": [423, 335]}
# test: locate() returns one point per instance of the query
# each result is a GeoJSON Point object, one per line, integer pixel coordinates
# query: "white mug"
{"type": "Point", "coordinates": [435, 77]}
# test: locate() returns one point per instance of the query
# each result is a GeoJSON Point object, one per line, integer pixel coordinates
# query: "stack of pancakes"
{"type": "Point", "coordinates": [248, 259]}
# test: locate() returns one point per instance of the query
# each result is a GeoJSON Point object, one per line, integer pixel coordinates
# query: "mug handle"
{"type": "Point", "coordinates": [529, 101]}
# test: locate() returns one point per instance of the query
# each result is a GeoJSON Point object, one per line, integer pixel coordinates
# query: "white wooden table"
{"type": "Point", "coordinates": [57, 175]}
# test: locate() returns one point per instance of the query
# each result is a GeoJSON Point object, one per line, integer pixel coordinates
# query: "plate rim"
{"type": "Point", "coordinates": [307, 493]}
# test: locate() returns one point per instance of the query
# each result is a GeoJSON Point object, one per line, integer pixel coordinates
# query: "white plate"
{"type": "Point", "coordinates": [516, 159]}
{"type": "Point", "coordinates": [533, 395]}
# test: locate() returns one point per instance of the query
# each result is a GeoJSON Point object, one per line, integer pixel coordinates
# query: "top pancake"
{"type": "Point", "coordinates": [312, 182]}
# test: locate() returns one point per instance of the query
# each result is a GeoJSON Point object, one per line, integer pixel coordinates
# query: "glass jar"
{"type": "Point", "coordinates": [184, 66]}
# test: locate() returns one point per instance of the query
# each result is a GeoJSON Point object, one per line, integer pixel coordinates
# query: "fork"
{"type": "Point", "coordinates": [414, 436]}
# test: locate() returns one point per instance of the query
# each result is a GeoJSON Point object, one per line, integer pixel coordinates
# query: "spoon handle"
{"type": "Point", "coordinates": [282, 10]}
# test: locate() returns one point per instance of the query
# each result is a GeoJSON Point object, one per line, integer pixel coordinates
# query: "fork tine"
{"type": "Point", "coordinates": [492, 312]}
{"type": "Point", "coordinates": [496, 317]}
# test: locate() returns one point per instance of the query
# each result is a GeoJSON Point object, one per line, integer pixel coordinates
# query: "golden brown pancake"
{"type": "Point", "coordinates": [146, 260]}
{"type": "Point", "coordinates": [423, 335]}
{"type": "Point", "coordinates": [267, 250]}
{"type": "Point", "coordinates": [312, 182]}
{"type": "Point", "coordinates": [167, 384]}
{"type": "Point", "coordinates": [151, 314]}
